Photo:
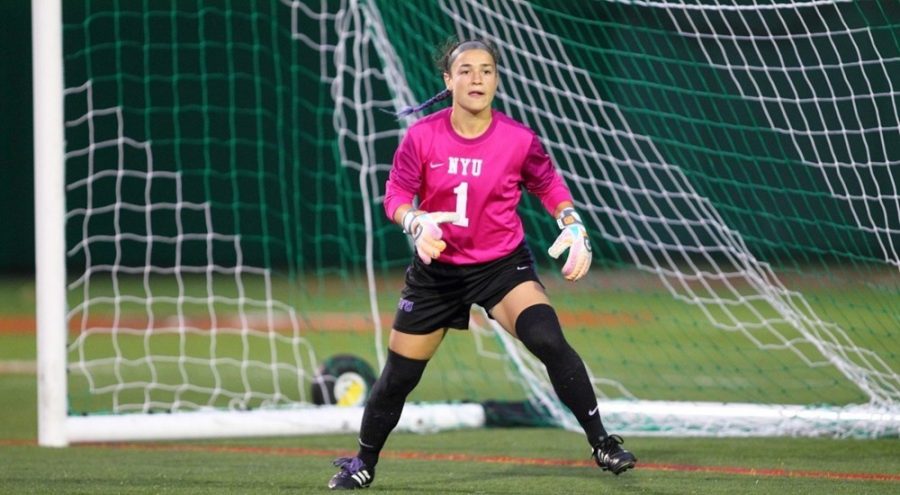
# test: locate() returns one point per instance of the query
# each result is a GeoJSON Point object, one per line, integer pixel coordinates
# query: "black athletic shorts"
{"type": "Point", "coordinates": [441, 295]}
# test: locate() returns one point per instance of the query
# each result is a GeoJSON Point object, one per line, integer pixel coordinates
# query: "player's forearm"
{"type": "Point", "coordinates": [562, 206]}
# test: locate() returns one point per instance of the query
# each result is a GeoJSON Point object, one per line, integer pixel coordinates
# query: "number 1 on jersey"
{"type": "Point", "coordinates": [462, 197]}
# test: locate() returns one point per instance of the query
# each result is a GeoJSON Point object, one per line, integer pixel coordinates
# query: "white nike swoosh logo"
{"type": "Point", "coordinates": [594, 410]}
{"type": "Point", "coordinates": [435, 165]}
{"type": "Point", "coordinates": [520, 268]}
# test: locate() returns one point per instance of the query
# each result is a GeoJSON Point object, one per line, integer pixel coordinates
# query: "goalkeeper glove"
{"type": "Point", "coordinates": [426, 232]}
{"type": "Point", "coordinates": [575, 238]}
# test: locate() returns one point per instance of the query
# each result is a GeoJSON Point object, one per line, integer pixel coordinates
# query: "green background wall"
{"type": "Point", "coordinates": [16, 151]}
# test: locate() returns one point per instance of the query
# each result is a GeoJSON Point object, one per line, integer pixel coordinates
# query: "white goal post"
{"type": "Point", "coordinates": [49, 201]}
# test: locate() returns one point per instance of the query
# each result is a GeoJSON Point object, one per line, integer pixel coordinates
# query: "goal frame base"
{"type": "Point", "coordinates": [627, 417]}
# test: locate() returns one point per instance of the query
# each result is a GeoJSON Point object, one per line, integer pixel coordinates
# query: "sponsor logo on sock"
{"type": "Point", "coordinates": [594, 411]}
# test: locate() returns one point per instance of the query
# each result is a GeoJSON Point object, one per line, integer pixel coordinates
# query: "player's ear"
{"type": "Point", "coordinates": [447, 80]}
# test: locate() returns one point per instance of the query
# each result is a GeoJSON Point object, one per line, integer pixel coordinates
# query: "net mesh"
{"type": "Point", "coordinates": [733, 161]}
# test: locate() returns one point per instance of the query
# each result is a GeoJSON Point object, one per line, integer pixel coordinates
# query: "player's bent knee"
{"type": "Point", "coordinates": [399, 376]}
{"type": "Point", "coordinates": [539, 330]}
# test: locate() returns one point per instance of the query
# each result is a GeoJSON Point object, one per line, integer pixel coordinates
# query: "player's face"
{"type": "Point", "coordinates": [473, 80]}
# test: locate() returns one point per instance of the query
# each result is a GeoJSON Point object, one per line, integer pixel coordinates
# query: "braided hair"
{"type": "Point", "coordinates": [451, 51]}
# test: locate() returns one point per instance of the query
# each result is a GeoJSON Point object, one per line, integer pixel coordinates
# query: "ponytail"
{"type": "Point", "coordinates": [443, 95]}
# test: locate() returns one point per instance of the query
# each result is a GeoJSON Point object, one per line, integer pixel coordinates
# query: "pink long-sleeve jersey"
{"type": "Point", "coordinates": [478, 178]}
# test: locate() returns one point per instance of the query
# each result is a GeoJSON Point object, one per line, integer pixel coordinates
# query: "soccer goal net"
{"type": "Point", "coordinates": [213, 258]}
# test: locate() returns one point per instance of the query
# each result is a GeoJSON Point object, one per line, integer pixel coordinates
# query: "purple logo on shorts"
{"type": "Point", "coordinates": [405, 305]}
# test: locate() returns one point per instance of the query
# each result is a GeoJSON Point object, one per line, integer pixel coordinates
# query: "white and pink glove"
{"type": "Point", "coordinates": [426, 231]}
{"type": "Point", "coordinates": [575, 238]}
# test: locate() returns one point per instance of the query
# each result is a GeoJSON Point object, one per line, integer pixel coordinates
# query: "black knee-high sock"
{"type": "Point", "coordinates": [538, 328]}
{"type": "Point", "coordinates": [398, 378]}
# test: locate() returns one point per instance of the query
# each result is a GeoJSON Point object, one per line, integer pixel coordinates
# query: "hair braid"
{"type": "Point", "coordinates": [443, 95]}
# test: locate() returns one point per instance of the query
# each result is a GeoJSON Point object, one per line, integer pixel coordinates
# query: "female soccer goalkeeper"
{"type": "Point", "coordinates": [467, 164]}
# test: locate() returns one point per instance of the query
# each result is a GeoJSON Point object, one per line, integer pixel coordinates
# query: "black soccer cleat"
{"type": "Point", "coordinates": [353, 474]}
{"type": "Point", "coordinates": [611, 457]}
